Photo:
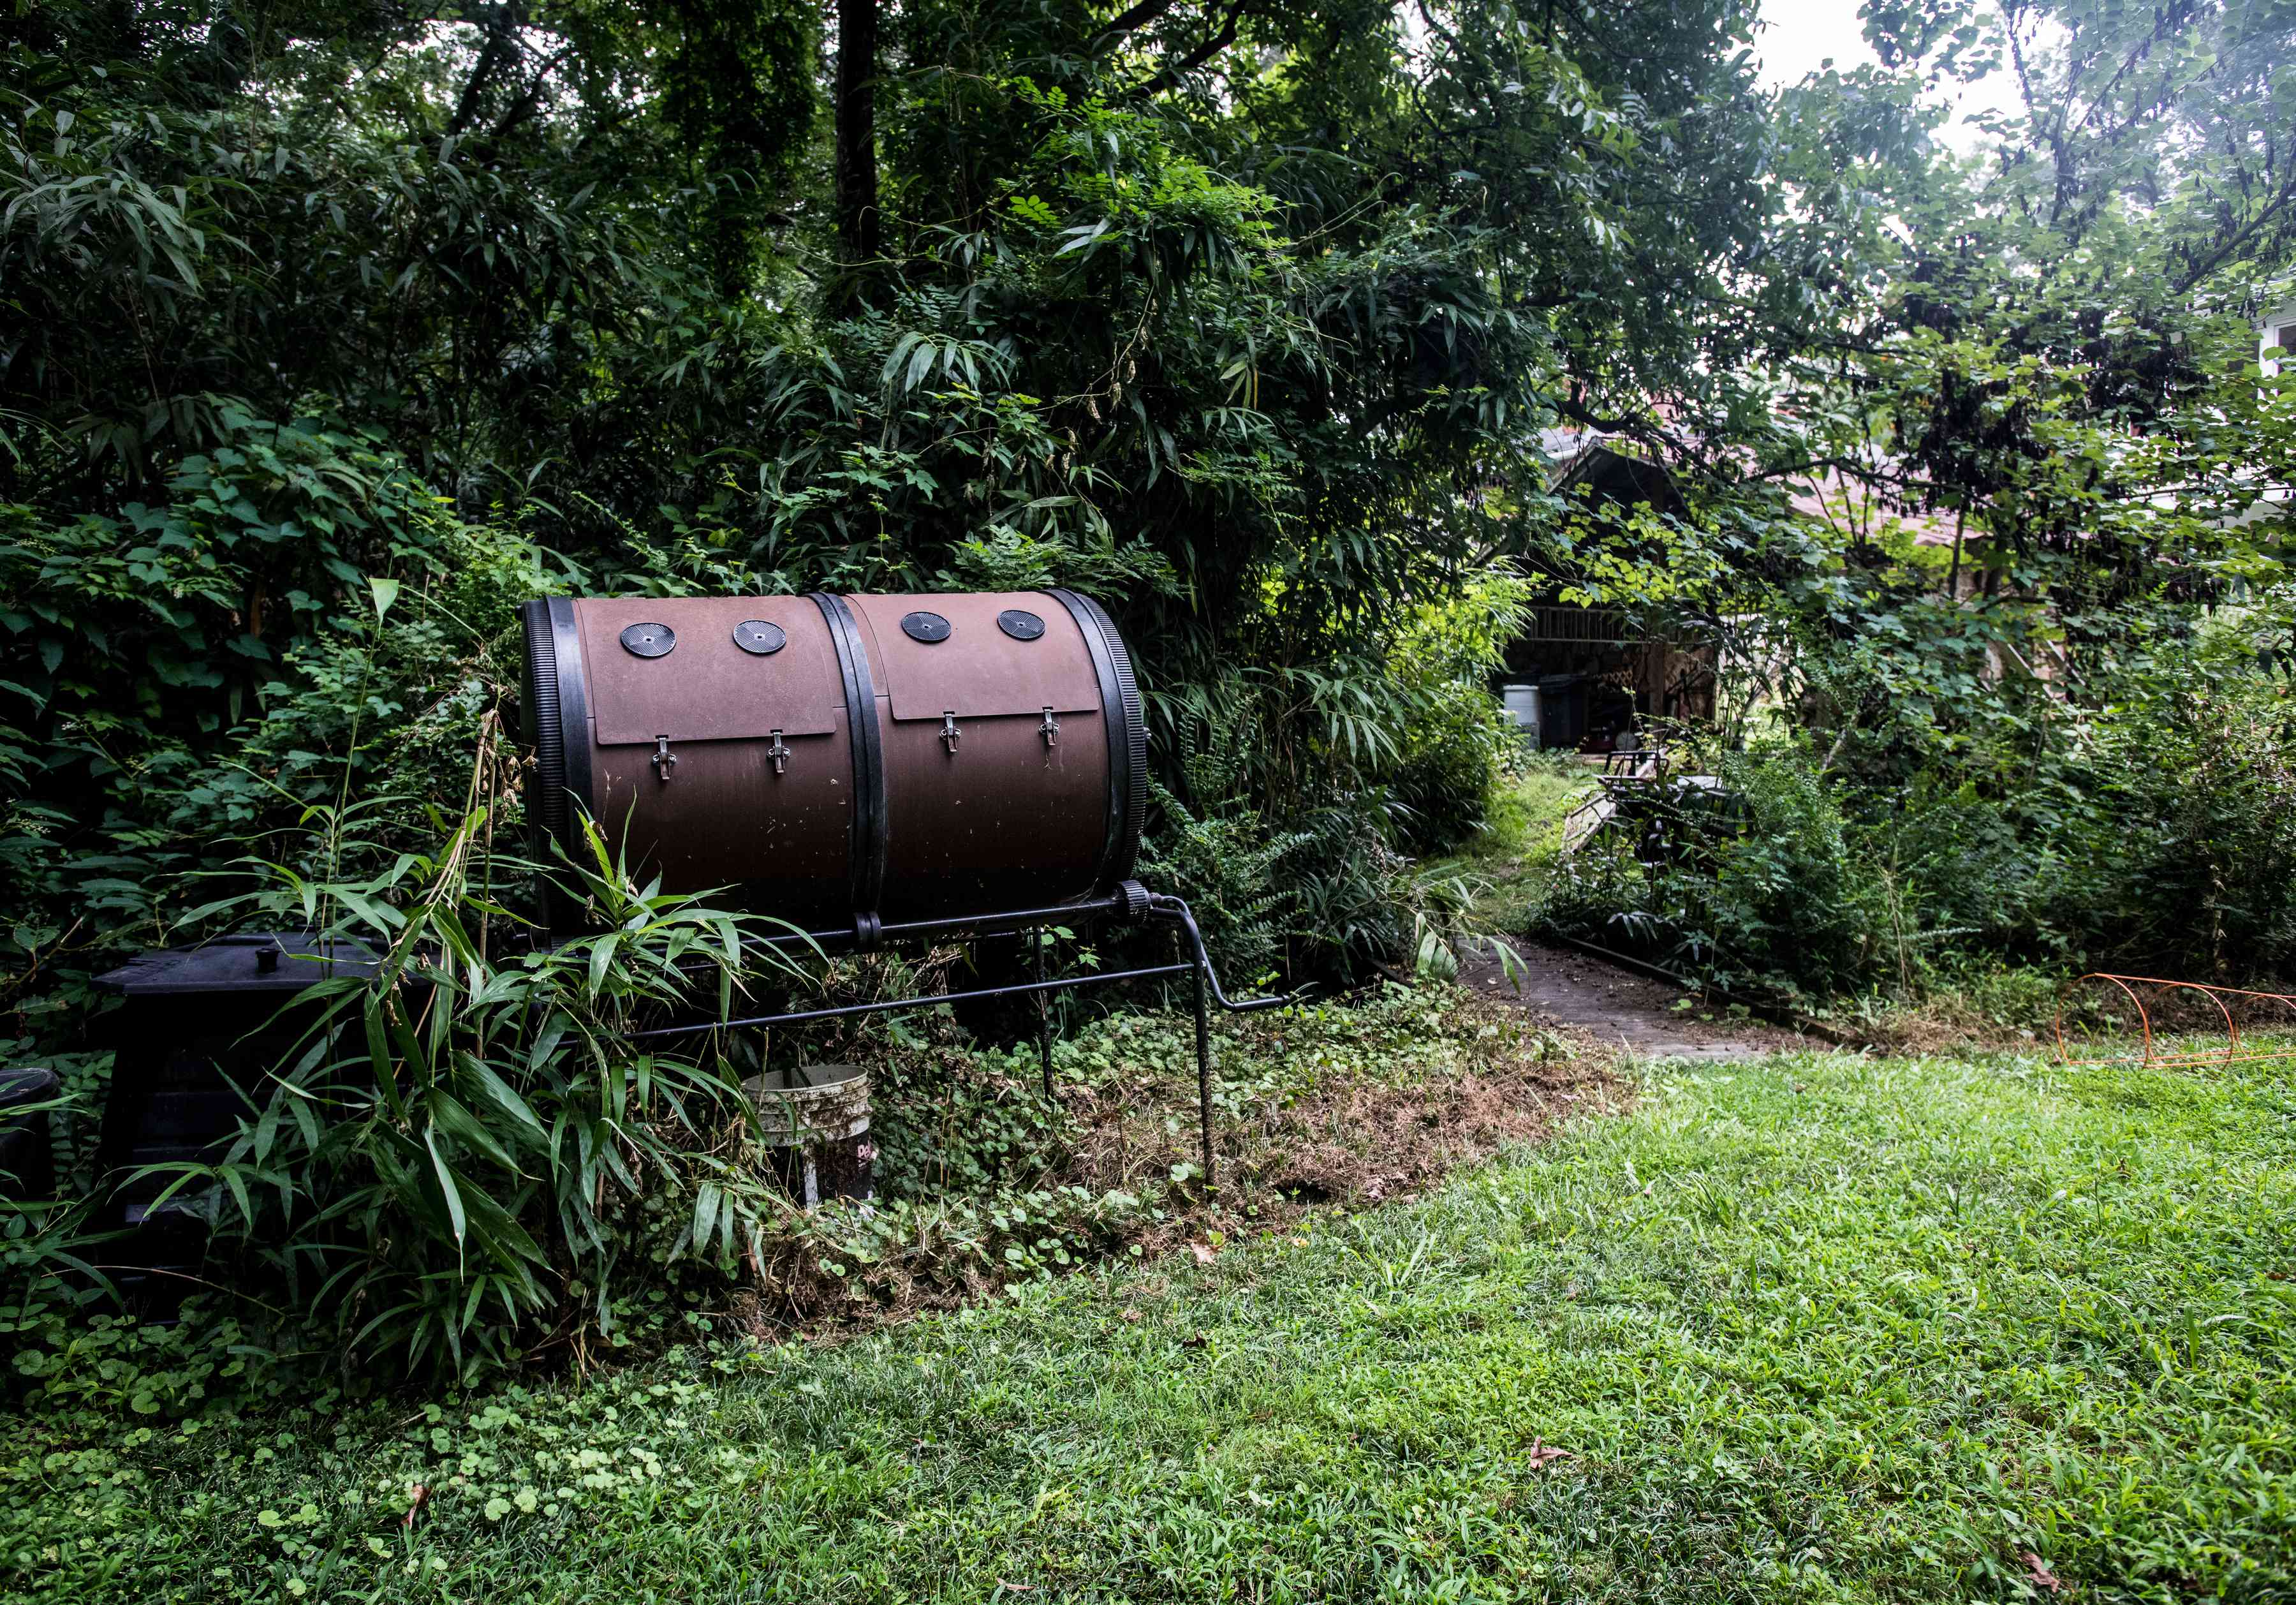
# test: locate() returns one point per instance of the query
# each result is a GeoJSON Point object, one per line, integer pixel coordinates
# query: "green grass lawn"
{"type": "Point", "coordinates": [1818, 1328]}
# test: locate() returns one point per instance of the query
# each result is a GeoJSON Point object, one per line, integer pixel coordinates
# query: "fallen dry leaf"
{"type": "Point", "coordinates": [416, 1495]}
{"type": "Point", "coordinates": [2042, 1576]}
{"type": "Point", "coordinates": [1205, 1251]}
{"type": "Point", "coordinates": [1542, 1452]}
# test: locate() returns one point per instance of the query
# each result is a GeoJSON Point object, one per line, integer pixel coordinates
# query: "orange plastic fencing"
{"type": "Point", "coordinates": [2184, 1011]}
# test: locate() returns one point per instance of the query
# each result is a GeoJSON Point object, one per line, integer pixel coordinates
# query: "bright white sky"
{"type": "Point", "coordinates": [1798, 36]}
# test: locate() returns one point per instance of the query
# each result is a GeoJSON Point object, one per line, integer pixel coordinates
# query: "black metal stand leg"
{"type": "Point", "coordinates": [1044, 1016]}
{"type": "Point", "coordinates": [1203, 1074]}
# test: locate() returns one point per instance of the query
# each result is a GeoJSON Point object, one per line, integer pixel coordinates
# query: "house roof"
{"type": "Point", "coordinates": [1614, 474]}
{"type": "Point", "coordinates": [1846, 506]}
{"type": "Point", "coordinates": [1611, 476]}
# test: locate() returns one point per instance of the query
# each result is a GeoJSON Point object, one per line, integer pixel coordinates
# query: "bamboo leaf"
{"type": "Point", "coordinates": [481, 1080]}
{"type": "Point", "coordinates": [705, 1218]}
{"type": "Point", "coordinates": [602, 959]}
{"type": "Point", "coordinates": [448, 1188]}
{"type": "Point", "coordinates": [453, 1118]}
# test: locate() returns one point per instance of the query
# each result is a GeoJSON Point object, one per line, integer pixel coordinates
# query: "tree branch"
{"type": "Point", "coordinates": [2210, 263]}
{"type": "Point", "coordinates": [490, 60]}
{"type": "Point", "coordinates": [1171, 77]}
{"type": "Point", "coordinates": [1427, 16]}
{"type": "Point", "coordinates": [1127, 23]}
{"type": "Point", "coordinates": [530, 101]}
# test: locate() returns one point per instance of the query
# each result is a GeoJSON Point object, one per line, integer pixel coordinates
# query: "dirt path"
{"type": "Point", "coordinates": [1615, 1008]}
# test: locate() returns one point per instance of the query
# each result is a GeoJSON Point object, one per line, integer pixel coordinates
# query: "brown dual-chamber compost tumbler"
{"type": "Point", "coordinates": [880, 768]}
{"type": "Point", "coordinates": [845, 762]}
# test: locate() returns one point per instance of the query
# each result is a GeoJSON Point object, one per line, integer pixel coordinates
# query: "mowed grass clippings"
{"type": "Point", "coordinates": [1818, 1328]}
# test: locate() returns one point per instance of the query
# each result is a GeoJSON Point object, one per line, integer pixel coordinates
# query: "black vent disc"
{"type": "Point", "coordinates": [760, 638]}
{"type": "Point", "coordinates": [649, 640]}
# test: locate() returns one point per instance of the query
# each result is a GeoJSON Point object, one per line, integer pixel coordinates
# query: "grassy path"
{"type": "Point", "coordinates": [1807, 1330]}
{"type": "Point", "coordinates": [1507, 862]}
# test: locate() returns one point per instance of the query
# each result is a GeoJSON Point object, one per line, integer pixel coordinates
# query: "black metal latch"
{"type": "Point", "coordinates": [949, 732]}
{"type": "Point", "coordinates": [779, 753]}
{"type": "Point", "coordinates": [663, 759]}
{"type": "Point", "coordinates": [1050, 729]}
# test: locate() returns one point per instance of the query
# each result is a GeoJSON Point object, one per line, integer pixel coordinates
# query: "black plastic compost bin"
{"type": "Point", "coordinates": [27, 1157]}
{"type": "Point", "coordinates": [199, 1031]}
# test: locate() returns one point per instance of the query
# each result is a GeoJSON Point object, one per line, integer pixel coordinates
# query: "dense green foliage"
{"type": "Point", "coordinates": [1815, 1329]}
{"type": "Point", "coordinates": [2015, 668]}
{"type": "Point", "coordinates": [2146, 822]}
{"type": "Point", "coordinates": [328, 333]}
{"type": "Point", "coordinates": [522, 1185]}
{"type": "Point", "coordinates": [1234, 338]}
{"type": "Point", "coordinates": [1248, 319]}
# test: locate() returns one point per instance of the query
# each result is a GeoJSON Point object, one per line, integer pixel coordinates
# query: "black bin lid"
{"type": "Point", "coordinates": [27, 1083]}
{"type": "Point", "coordinates": [259, 961]}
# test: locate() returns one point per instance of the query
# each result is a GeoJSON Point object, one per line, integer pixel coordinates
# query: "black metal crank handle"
{"type": "Point", "coordinates": [1163, 906]}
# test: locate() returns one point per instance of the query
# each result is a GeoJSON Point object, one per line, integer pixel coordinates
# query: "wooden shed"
{"type": "Point", "coordinates": [1591, 674]}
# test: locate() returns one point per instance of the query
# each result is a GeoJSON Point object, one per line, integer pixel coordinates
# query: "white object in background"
{"type": "Point", "coordinates": [1521, 704]}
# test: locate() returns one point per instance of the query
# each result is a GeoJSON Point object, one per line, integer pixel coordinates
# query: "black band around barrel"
{"type": "Point", "coordinates": [869, 811]}
{"type": "Point", "coordinates": [1128, 737]}
{"type": "Point", "coordinates": [556, 717]}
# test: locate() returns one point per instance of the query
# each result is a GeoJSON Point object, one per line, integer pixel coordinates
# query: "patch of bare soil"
{"type": "Point", "coordinates": [1945, 1026]}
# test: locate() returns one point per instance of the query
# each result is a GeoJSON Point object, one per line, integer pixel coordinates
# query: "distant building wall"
{"type": "Point", "coordinates": [1621, 675]}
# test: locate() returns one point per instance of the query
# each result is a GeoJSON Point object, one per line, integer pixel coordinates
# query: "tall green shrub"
{"type": "Point", "coordinates": [468, 1151]}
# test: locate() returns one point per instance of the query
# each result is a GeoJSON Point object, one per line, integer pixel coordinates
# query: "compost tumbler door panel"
{"type": "Point", "coordinates": [1004, 821]}
{"type": "Point", "coordinates": [706, 687]}
{"type": "Point", "coordinates": [998, 818]}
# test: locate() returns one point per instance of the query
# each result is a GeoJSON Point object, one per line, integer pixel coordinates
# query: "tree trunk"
{"type": "Point", "coordinates": [857, 238]}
